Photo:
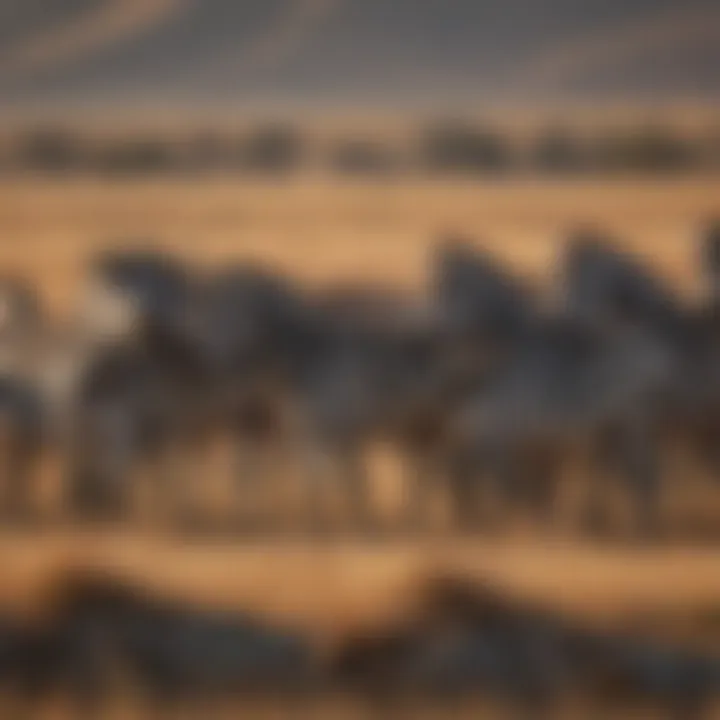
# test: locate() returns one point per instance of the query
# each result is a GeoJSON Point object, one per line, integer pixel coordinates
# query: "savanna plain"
{"type": "Point", "coordinates": [328, 232]}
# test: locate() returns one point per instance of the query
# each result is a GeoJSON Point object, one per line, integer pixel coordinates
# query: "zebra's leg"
{"type": "Point", "coordinates": [540, 478]}
{"type": "Point", "coordinates": [11, 490]}
{"type": "Point", "coordinates": [358, 487]}
{"type": "Point", "coordinates": [467, 471]}
{"type": "Point", "coordinates": [169, 479]}
{"type": "Point", "coordinates": [504, 466]}
{"type": "Point", "coordinates": [606, 460]}
{"type": "Point", "coordinates": [23, 471]}
{"type": "Point", "coordinates": [256, 457]}
{"type": "Point", "coordinates": [16, 459]}
{"type": "Point", "coordinates": [643, 473]}
{"type": "Point", "coordinates": [425, 469]}
{"type": "Point", "coordinates": [186, 463]}
{"type": "Point", "coordinates": [319, 470]}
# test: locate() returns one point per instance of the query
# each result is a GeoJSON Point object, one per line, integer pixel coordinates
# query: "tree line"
{"type": "Point", "coordinates": [459, 148]}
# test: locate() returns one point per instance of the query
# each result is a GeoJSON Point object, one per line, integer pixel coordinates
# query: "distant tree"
{"type": "Point", "coordinates": [49, 150]}
{"type": "Point", "coordinates": [271, 149]}
{"type": "Point", "coordinates": [6, 158]}
{"type": "Point", "coordinates": [459, 147]}
{"type": "Point", "coordinates": [208, 150]}
{"type": "Point", "coordinates": [558, 151]}
{"type": "Point", "coordinates": [711, 150]}
{"type": "Point", "coordinates": [364, 157]}
{"type": "Point", "coordinates": [647, 148]}
{"type": "Point", "coordinates": [138, 156]}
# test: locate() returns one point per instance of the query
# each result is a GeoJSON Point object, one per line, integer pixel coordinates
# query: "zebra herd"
{"type": "Point", "coordinates": [486, 385]}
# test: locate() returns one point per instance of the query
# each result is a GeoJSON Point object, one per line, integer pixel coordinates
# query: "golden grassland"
{"type": "Point", "coordinates": [324, 232]}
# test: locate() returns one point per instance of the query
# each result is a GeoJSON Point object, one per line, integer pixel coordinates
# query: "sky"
{"type": "Point", "coordinates": [125, 54]}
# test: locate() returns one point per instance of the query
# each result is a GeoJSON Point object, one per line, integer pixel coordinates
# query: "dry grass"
{"type": "Point", "coordinates": [325, 231]}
